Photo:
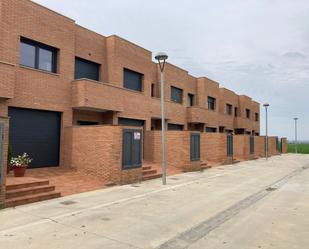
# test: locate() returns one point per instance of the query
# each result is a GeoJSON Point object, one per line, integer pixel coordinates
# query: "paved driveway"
{"type": "Point", "coordinates": [255, 204]}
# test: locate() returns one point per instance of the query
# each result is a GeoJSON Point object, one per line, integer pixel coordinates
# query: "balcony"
{"type": "Point", "coordinates": [197, 114]}
{"type": "Point", "coordinates": [243, 123]}
{"type": "Point", "coordinates": [88, 94]}
{"type": "Point", "coordinates": [7, 80]}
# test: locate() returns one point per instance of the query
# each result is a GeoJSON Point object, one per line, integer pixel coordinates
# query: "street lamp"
{"type": "Point", "coordinates": [296, 134]}
{"type": "Point", "coordinates": [161, 58]}
{"type": "Point", "coordinates": [266, 105]}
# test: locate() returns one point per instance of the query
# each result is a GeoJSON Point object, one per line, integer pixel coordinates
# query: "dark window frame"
{"type": "Point", "coordinates": [211, 103]}
{"type": "Point", "coordinates": [92, 63]}
{"type": "Point", "coordinates": [176, 90]}
{"type": "Point", "coordinates": [211, 129]}
{"type": "Point", "coordinates": [190, 99]}
{"type": "Point", "coordinates": [37, 46]}
{"type": "Point", "coordinates": [236, 111]}
{"type": "Point", "coordinates": [257, 117]}
{"type": "Point", "coordinates": [175, 127]}
{"type": "Point", "coordinates": [229, 109]}
{"type": "Point", "coordinates": [126, 84]}
{"type": "Point", "coordinates": [248, 113]}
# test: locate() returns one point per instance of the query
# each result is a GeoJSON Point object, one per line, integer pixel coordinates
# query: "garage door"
{"type": "Point", "coordinates": [36, 133]}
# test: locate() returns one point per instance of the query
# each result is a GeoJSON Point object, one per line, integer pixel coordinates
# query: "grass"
{"type": "Point", "coordinates": [301, 148]}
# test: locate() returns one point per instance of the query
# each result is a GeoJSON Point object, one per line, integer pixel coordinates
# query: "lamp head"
{"type": "Point", "coordinates": [161, 56]}
{"type": "Point", "coordinates": [266, 105]}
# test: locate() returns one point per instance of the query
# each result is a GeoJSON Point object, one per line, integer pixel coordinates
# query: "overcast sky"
{"type": "Point", "coordinates": [255, 47]}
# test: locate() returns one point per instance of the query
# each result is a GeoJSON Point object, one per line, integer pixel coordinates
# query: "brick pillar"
{"type": "Point", "coordinates": [4, 152]}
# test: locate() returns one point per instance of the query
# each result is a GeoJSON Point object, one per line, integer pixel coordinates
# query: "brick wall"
{"type": "Point", "coordinates": [259, 146]}
{"type": "Point", "coordinates": [177, 149]}
{"type": "Point", "coordinates": [284, 148]}
{"type": "Point", "coordinates": [272, 146]}
{"type": "Point", "coordinates": [97, 151]}
{"type": "Point", "coordinates": [213, 148]}
{"type": "Point", "coordinates": [241, 144]}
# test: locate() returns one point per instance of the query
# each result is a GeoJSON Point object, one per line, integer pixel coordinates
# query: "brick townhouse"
{"type": "Point", "coordinates": [57, 76]}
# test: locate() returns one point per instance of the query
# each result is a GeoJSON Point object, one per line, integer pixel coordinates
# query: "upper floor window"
{"type": "Point", "coordinates": [257, 117]}
{"type": "Point", "coordinates": [229, 109]}
{"type": "Point", "coordinates": [236, 111]}
{"type": "Point", "coordinates": [190, 99]}
{"type": "Point", "coordinates": [248, 113]}
{"type": "Point", "coordinates": [211, 129]}
{"type": "Point", "coordinates": [176, 94]}
{"type": "Point", "coordinates": [132, 80]}
{"type": "Point", "coordinates": [211, 103]}
{"type": "Point", "coordinates": [85, 69]}
{"type": "Point", "coordinates": [174, 127]}
{"type": "Point", "coordinates": [38, 55]}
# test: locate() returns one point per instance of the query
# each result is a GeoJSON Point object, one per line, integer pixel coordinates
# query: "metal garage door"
{"type": "Point", "coordinates": [36, 133]}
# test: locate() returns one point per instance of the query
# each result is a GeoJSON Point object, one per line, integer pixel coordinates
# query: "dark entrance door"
{"type": "Point", "coordinates": [230, 145]}
{"type": "Point", "coordinates": [195, 147]}
{"type": "Point", "coordinates": [132, 149]}
{"type": "Point", "coordinates": [251, 146]}
{"type": "Point", "coordinates": [36, 133]}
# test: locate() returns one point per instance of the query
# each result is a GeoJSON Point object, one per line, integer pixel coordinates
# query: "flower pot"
{"type": "Point", "coordinates": [19, 171]}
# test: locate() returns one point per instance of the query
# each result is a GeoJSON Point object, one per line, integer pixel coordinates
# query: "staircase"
{"type": "Point", "coordinates": [34, 190]}
{"type": "Point", "coordinates": [149, 173]}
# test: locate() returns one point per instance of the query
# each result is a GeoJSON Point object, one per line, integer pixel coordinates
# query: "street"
{"type": "Point", "coordinates": [252, 204]}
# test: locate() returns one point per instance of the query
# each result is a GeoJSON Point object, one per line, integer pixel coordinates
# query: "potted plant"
{"type": "Point", "coordinates": [20, 163]}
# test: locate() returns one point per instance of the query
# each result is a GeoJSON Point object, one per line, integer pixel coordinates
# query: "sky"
{"type": "Point", "coordinates": [259, 48]}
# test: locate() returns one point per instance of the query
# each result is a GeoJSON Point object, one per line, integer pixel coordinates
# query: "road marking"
{"type": "Point", "coordinates": [187, 238]}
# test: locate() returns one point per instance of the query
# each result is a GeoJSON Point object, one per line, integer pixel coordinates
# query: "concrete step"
{"type": "Point", "coordinates": [28, 191]}
{"type": "Point", "coordinates": [13, 202]}
{"type": "Point", "coordinates": [149, 172]}
{"type": "Point", "coordinates": [152, 176]}
{"type": "Point", "coordinates": [32, 183]}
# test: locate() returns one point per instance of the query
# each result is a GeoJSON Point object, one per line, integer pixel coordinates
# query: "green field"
{"type": "Point", "coordinates": [301, 148]}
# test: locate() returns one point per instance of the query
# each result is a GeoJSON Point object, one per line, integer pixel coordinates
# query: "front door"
{"type": "Point", "coordinates": [132, 148]}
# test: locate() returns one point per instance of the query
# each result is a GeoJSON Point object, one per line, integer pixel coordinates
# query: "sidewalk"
{"type": "Point", "coordinates": [149, 215]}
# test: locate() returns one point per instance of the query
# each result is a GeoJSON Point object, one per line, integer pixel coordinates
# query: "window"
{"type": "Point", "coordinates": [174, 127]}
{"type": "Point", "coordinates": [211, 103]}
{"type": "Point", "coordinates": [86, 69]}
{"type": "Point", "coordinates": [176, 95]}
{"type": "Point", "coordinates": [132, 80]}
{"type": "Point", "coordinates": [211, 129]}
{"type": "Point", "coordinates": [229, 109]}
{"type": "Point", "coordinates": [38, 55]}
{"type": "Point", "coordinates": [236, 112]}
{"type": "Point", "coordinates": [87, 123]}
{"type": "Point", "coordinates": [248, 113]}
{"type": "Point", "coordinates": [256, 116]}
{"type": "Point", "coordinates": [190, 99]}
{"type": "Point", "coordinates": [152, 90]}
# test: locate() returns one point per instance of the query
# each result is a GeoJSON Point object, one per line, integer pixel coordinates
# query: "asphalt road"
{"type": "Point", "coordinates": [254, 204]}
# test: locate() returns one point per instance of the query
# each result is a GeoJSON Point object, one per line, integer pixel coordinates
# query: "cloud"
{"type": "Point", "coordinates": [256, 47]}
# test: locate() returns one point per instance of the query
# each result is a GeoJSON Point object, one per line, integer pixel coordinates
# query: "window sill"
{"type": "Point", "coordinates": [39, 70]}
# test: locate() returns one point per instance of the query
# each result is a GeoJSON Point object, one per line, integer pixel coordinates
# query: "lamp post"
{"type": "Point", "coordinates": [266, 105]}
{"type": "Point", "coordinates": [296, 134]}
{"type": "Point", "coordinates": [161, 58]}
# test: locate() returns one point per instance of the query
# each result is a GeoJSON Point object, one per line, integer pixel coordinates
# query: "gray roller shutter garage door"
{"type": "Point", "coordinates": [36, 133]}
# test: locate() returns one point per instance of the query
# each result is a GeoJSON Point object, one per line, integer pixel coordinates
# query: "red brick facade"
{"type": "Point", "coordinates": [106, 100]}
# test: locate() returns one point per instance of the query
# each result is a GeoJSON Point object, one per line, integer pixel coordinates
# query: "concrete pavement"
{"type": "Point", "coordinates": [254, 204]}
